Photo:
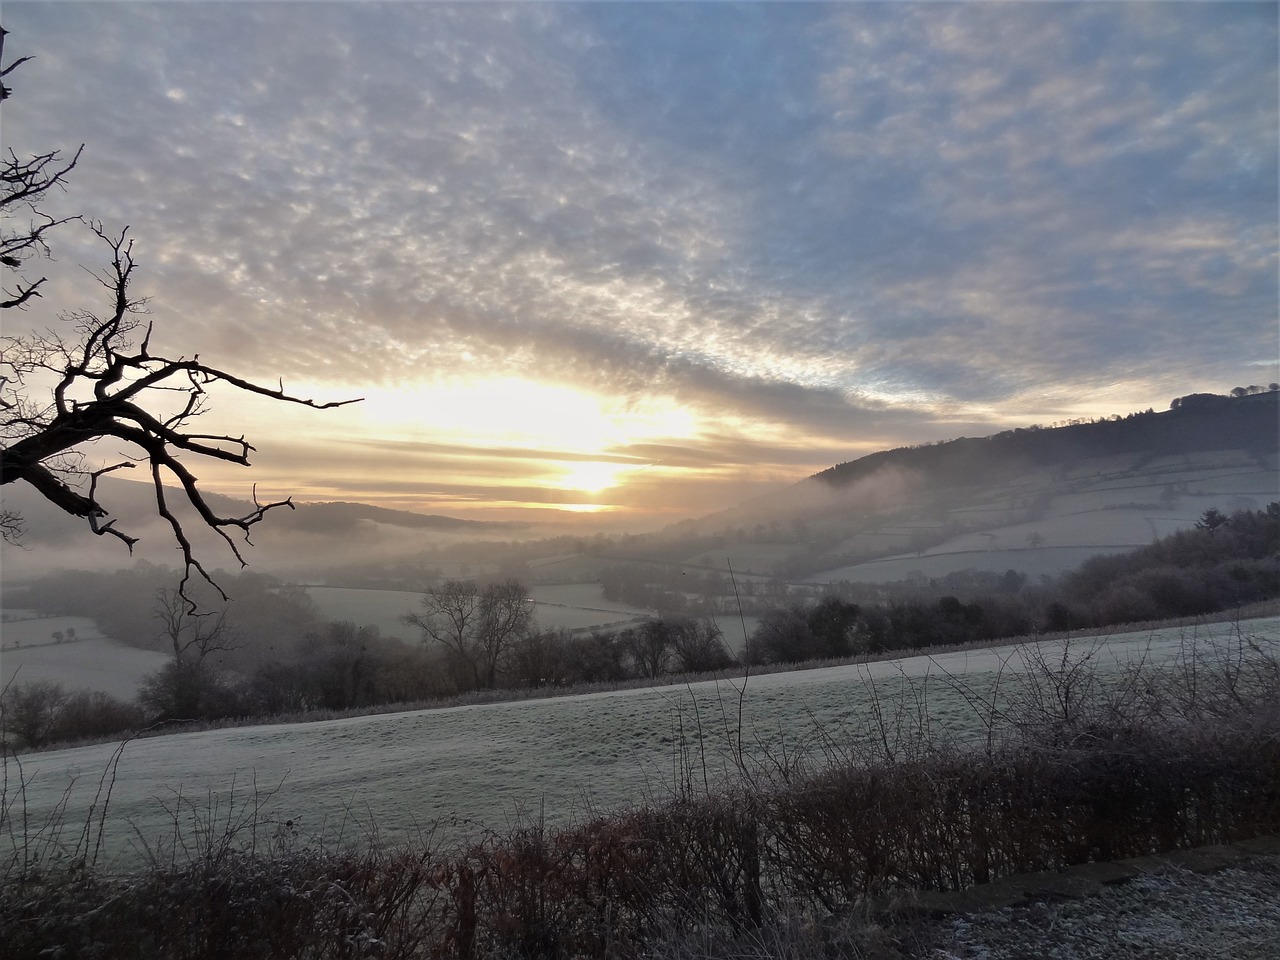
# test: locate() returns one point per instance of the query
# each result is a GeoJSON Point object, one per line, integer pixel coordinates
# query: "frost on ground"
{"type": "Point", "coordinates": [1231, 913]}
{"type": "Point", "coordinates": [71, 651]}
{"type": "Point", "coordinates": [458, 770]}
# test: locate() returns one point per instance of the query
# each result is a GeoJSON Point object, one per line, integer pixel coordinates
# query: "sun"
{"type": "Point", "coordinates": [594, 476]}
{"type": "Point", "coordinates": [507, 439]}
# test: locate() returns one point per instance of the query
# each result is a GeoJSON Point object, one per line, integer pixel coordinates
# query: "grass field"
{"type": "Point", "coordinates": [90, 661]}
{"type": "Point", "coordinates": [1102, 507]}
{"type": "Point", "coordinates": [457, 770]}
{"type": "Point", "coordinates": [574, 606]}
{"type": "Point", "coordinates": [1033, 563]}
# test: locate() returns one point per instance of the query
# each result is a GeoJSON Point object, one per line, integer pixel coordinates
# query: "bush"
{"type": "Point", "coordinates": [92, 714]}
{"type": "Point", "coordinates": [40, 712]}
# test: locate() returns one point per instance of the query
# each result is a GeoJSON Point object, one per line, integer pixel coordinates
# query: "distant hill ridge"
{"type": "Point", "coordinates": [1200, 422]}
{"type": "Point", "coordinates": [331, 516]}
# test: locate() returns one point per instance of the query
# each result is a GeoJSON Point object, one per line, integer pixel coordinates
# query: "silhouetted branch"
{"type": "Point", "coordinates": [102, 383]}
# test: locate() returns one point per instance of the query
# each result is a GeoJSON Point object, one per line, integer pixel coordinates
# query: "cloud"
{"type": "Point", "coordinates": [852, 224]}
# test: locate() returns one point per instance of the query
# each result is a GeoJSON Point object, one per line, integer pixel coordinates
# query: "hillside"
{"type": "Point", "coordinates": [1040, 500]}
{"type": "Point", "coordinates": [1198, 424]}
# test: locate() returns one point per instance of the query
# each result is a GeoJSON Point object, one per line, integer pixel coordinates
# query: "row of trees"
{"type": "Point", "coordinates": [40, 711]}
{"type": "Point", "coordinates": [342, 666]}
{"type": "Point", "coordinates": [483, 636]}
{"type": "Point", "coordinates": [1225, 562]}
{"type": "Point", "coordinates": [488, 636]}
{"type": "Point", "coordinates": [475, 636]}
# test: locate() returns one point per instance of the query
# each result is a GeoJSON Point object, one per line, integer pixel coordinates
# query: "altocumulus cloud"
{"type": "Point", "coordinates": [857, 221]}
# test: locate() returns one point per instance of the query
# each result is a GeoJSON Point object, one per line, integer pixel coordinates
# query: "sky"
{"type": "Point", "coordinates": [621, 263]}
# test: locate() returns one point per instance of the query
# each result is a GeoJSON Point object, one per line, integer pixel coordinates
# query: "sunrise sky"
{"type": "Point", "coordinates": [630, 262]}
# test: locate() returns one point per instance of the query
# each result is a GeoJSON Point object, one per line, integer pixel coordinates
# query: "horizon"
{"type": "Point", "coordinates": [816, 474]}
{"type": "Point", "coordinates": [613, 266]}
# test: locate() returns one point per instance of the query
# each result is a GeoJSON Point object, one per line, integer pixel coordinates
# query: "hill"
{"type": "Point", "coordinates": [1039, 499]}
{"type": "Point", "coordinates": [1199, 423]}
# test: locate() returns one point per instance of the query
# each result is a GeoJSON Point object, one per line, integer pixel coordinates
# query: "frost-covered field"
{"type": "Point", "coordinates": [1101, 508]}
{"type": "Point", "coordinates": [28, 652]}
{"type": "Point", "coordinates": [568, 606]}
{"type": "Point", "coordinates": [465, 767]}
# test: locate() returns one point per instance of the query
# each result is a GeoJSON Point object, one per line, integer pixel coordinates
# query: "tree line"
{"type": "Point", "coordinates": [1225, 562]}
{"type": "Point", "coordinates": [270, 653]}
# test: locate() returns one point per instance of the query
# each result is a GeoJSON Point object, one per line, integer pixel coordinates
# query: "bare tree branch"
{"type": "Point", "coordinates": [11, 527]}
{"type": "Point", "coordinates": [108, 528]}
{"type": "Point", "coordinates": [105, 386]}
{"type": "Point", "coordinates": [192, 638]}
{"type": "Point", "coordinates": [23, 183]}
{"type": "Point", "coordinates": [104, 383]}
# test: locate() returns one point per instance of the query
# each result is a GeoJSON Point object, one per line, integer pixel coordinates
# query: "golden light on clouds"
{"type": "Point", "coordinates": [501, 448]}
{"type": "Point", "coordinates": [522, 413]}
{"type": "Point", "coordinates": [660, 280]}
{"type": "Point", "coordinates": [595, 476]}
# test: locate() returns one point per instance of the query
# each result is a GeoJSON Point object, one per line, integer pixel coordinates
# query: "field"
{"type": "Point", "coordinates": [454, 771]}
{"type": "Point", "coordinates": [1049, 521]}
{"type": "Point", "coordinates": [28, 652]}
{"type": "Point", "coordinates": [940, 562]}
{"type": "Point", "coordinates": [1079, 527]}
{"type": "Point", "coordinates": [575, 606]}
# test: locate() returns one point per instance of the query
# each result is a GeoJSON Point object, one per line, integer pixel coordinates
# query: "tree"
{"type": "Point", "coordinates": [832, 623]}
{"type": "Point", "coordinates": [540, 659]}
{"type": "Point", "coordinates": [1212, 519]}
{"type": "Point", "coordinates": [183, 687]}
{"type": "Point", "coordinates": [478, 626]}
{"type": "Point", "coordinates": [596, 656]}
{"type": "Point", "coordinates": [342, 660]}
{"type": "Point", "coordinates": [783, 635]}
{"type": "Point", "coordinates": [105, 382]}
{"type": "Point", "coordinates": [30, 711]}
{"type": "Point", "coordinates": [698, 645]}
{"type": "Point", "coordinates": [650, 646]}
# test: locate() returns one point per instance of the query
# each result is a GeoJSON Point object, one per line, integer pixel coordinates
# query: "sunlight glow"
{"type": "Point", "coordinates": [594, 476]}
{"type": "Point", "coordinates": [525, 414]}
{"type": "Point", "coordinates": [485, 449]}
{"type": "Point", "coordinates": [583, 508]}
